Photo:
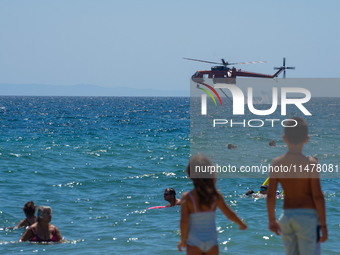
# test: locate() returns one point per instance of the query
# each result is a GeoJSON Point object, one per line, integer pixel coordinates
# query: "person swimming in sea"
{"type": "Point", "coordinates": [29, 210]}
{"type": "Point", "coordinates": [170, 196]}
{"type": "Point", "coordinates": [272, 143]}
{"type": "Point", "coordinates": [198, 209]}
{"type": "Point", "coordinates": [42, 230]}
{"type": "Point", "coordinates": [262, 192]}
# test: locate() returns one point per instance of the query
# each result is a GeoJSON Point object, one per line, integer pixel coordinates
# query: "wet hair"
{"type": "Point", "coordinates": [265, 187]}
{"type": "Point", "coordinates": [296, 130]}
{"type": "Point", "coordinates": [204, 182]}
{"type": "Point", "coordinates": [41, 212]}
{"type": "Point", "coordinates": [272, 143]}
{"type": "Point", "coordinates": [249, 192]}
{"type": "Point", "coordinates": [230, 146]}
{"type": "Point", "coordinates": [171, 191]}
{"type": "Point", "coordinates": [29, 208]}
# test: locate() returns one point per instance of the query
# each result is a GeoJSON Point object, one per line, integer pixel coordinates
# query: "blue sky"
{"type": "Point", "coordinates": [140, 44]}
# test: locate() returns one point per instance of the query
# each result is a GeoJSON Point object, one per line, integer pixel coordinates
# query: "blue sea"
{"type": "Point", "coordinates": [100, 162]}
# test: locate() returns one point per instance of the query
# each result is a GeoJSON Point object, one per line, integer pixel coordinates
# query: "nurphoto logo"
{"type": "Point", "coordinates": [238, 103]}
{"type": "Point", "coordinates": [238, 99]}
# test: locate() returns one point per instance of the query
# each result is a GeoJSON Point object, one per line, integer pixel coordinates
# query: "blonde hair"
{"type": "Point", "coordinates": [41, 212]}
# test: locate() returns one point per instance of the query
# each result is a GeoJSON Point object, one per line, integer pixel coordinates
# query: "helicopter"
{"type": "Point", "coordinates": [223, 74]}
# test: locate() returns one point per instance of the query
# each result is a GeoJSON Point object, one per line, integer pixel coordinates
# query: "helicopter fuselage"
{"type": "Point", "coordinates": [222, 74]}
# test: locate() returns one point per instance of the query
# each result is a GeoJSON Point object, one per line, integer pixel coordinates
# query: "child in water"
{"type": "Point", "coordinates": [198, 228]}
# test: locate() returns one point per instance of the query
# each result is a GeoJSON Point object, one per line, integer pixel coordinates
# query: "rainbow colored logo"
{"type": "Point", "coordinates": [208, 92]}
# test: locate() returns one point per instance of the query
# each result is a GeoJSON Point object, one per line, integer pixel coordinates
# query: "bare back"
{"type": "Point", "coordinates": [297, 183]}
{"type": "Point", "coordinates": [199, 208]}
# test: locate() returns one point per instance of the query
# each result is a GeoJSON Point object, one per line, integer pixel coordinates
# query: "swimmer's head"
{"type": "Point", "coordinates": [297, 134]}
{"type": "Point", "coordinates": [272, 143]}
{"type": "Point", "coordinates": [249, 192]}
{"type": "Point", "coordinates": [42, 211]}
{"type": "Point", "coordinates": [29, 208]}
{"type": "Point", "coordinates": [230, 146]}
{"type": "Point", "coordinates": [169, 191]}
{"type": "Point", "coordinates": [264, 189]}
{"type": "Point", "coordinates": [169, 195]}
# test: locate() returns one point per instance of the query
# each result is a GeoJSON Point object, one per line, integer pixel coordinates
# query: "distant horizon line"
{"type": "Point", "coordinates": [7, 89]}
{"type": "Point", "coordinates": [83, 84]}
{"type": "Point", "coordinates": [90, 90]}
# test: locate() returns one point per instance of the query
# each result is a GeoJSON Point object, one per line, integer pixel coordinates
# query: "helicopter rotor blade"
{"type": "Point", "coordinates": [226, 63]}
{"type": "Point", "coordinates": [202, 61]}
{"type": "Point", "coordinates": [291, 67]}
{"type": "Point", "coordinates": [284, 74]}
{"type": "Point", "coordinates": [284, 62]}
{"type": "Point", "coordinates": [252, 62]}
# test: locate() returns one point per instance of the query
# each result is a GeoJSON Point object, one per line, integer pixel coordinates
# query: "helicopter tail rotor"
{"type": "Point", "coordinates": [283, 67]}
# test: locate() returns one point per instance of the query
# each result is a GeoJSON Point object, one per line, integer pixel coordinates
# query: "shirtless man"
{"type": "Point", "coordinates": [304, 203]}
{"type": "Point", "coordinates": [170, 196]}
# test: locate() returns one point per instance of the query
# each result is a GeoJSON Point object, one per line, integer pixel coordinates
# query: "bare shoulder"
{"type": "Point", "coordinates": [184, 196]}
{"type": "Point", "coordinates": [278, 160]}
{"type": "Point", "coordinates": [52, 227]}
{"type": "Point", "coordinates": [313, 162]}
{"type": "Point", "coordinates": [34, 225]}
{"type": "Point", "coordinates": [219, 197]}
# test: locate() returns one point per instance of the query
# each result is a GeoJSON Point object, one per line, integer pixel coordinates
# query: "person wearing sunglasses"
{"type": "Point", "coordinates": [264, 189]}
{"type": "Point", "coordinates": [170, 196]}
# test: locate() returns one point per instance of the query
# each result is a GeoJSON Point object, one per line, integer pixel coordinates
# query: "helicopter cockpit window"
{"type": "Point", "coordinates": [196, 74]}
